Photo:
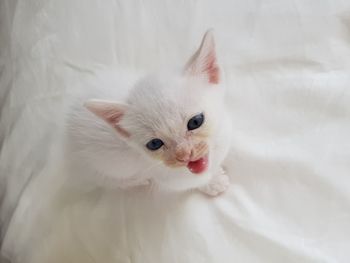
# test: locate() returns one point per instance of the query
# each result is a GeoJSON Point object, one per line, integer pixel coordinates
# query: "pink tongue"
{"type": "Point", "coordinates": [198, 166]}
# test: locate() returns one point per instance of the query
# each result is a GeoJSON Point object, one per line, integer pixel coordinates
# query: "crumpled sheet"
{"type": "Point", "coordinates": [287, 66]}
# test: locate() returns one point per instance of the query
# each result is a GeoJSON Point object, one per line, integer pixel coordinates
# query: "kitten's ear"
{"type": "Point", "coordinates": [204, 61]}
{"type": "Point", "coordinates": [111, 112]}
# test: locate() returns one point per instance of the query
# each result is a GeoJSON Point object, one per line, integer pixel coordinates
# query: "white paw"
{"type": "Point", "coordinates": [218, 184]}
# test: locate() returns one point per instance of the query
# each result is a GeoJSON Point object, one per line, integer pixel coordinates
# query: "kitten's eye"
{"type": "Point", "coordinates": [195, 122]}
{"type": "Point", "coordinates": [154, 144]}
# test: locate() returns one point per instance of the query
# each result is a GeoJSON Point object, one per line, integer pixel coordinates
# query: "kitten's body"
{"type": "Point", "coordinates": [57, 220]}
{"type": "Point", "coordinates": [110, 150]}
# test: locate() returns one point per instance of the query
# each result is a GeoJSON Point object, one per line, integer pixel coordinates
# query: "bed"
{"type": "Point", "coordinates": [287, 66]}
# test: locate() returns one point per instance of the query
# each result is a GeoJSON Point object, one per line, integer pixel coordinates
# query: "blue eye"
{"type": "Point", "coordinates": [154, 144]}
{"type": "Point", "coordinates": [195, 122]}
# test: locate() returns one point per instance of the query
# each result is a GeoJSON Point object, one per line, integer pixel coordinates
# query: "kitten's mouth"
{"type": "Point", "coordinates": [198, 166]}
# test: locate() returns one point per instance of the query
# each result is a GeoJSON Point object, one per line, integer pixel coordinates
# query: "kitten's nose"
{"type": "Point", "coordinates": [183, 153]}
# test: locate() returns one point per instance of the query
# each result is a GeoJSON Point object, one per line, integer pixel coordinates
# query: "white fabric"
{"type": "Point", "coordinates": [287, 66]}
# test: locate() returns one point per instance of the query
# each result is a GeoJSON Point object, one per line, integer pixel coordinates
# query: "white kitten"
{"type": "Point", "coordinates": [171, 128]}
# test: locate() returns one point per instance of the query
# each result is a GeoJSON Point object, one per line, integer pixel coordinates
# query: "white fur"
{"type": "Point", "coordinates": [109, 159]}
{"type": "Point", "coordinates": [160, 103]}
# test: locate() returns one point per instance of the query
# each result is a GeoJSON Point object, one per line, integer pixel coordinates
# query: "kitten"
{"type": "Point", "coordinates": [171, 129]}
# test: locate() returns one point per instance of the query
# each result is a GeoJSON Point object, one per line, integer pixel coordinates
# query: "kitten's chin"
{"type": "Point", "coordinates": [195, 174]}
{"type": "Point", "coordinates": [181, 180]}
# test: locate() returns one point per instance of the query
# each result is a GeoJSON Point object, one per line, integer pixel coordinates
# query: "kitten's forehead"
{"type": "Point", "coordinates": [168, 93]}
{"type": "Point", "coordinates": [163, 104]}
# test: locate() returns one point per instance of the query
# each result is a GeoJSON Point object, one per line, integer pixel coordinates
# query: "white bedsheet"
{"type": "Point", "coordinates": [287, 66]}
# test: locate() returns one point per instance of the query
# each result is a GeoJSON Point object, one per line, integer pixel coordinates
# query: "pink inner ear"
{"type": "Point", "coordinates": [204, 61]}
{"type": "Point", "coordinates": [113, 118]}
{"type": "Point", "coordinates": [109, 112]}
{"type": "Point", "coordinates": [212, 68]}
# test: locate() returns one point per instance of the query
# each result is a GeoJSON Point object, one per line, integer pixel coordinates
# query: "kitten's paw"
{"type": "Point", "coordinates": [218, 184]}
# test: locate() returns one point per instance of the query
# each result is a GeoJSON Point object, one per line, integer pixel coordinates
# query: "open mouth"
{"type": "Point", "coordinates": [198, 166]}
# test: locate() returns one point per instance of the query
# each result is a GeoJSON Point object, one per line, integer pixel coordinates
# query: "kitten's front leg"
{"type": "Point", "coordinates": [217, 185]}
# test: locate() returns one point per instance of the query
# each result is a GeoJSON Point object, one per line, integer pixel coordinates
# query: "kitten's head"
{"type": "Point", "coordinates": [173, 117]}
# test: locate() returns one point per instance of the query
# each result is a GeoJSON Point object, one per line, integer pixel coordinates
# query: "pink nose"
{"type": "Point", "coordinates": [183, 153]}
